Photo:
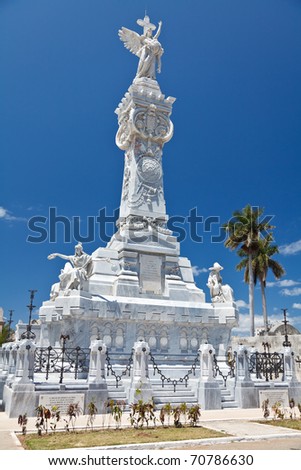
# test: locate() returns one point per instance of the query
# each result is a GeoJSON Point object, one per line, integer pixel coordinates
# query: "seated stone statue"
{"type": "Point", "coordinates": [218, 291]}
{"type": "Point", "coordinates": [77, 270]}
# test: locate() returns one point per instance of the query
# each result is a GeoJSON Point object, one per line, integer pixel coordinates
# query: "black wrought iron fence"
{"type": "Point", "coordinates": [126, 371]}
{"type": "Point", "coordinates": [62, 361]}
{"type": "Point", "coordinates": [230, 363]}
{"type": "Point", "coordinates": [170, 380]}
{"type": "Point", "coordinates": [266, 366]}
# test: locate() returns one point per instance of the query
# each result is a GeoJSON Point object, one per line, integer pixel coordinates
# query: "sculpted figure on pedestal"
{"type": "Point", "coordinates": [218, 291]}
{"type": "Point", "coordinates": [146, 47]}
{"type": "Point", "coordinates": [77, 270]}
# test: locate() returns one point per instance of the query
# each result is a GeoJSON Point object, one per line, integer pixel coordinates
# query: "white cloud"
{"type": "Point", "coordinates": [6, 215]}
{"type": "Point", "coordinates": [3, 213]}
{"type": "Point", "coordinates": [283, 283]}
{"type": "Point", "coordinates": [290, 292]}
{"type": "Point", "coordinates": [290, 249]}
{"type": "Point", "coordinates": [297, 306]}
{"type": "Point", "coordinates": [196, 270]}
{"type": "Point", "coordinates": [243, 328]}
{"type": "Point", "coordinates": [244, 322]}
{"type": "Point", "coordinates": [241, 304]}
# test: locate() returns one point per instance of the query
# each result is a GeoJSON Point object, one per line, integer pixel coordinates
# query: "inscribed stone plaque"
{"type": "Point", "coordinates": [273, 396]}
{"type": "Point", "coordinates": [151, 273]}
{"type": "Point", "coordinates": [62, 401]}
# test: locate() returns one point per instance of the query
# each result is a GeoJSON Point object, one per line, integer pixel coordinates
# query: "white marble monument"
{"type": "Point", "coordinates": [137, 290]}
{"type": "Point", "coordinates": [139, 287]}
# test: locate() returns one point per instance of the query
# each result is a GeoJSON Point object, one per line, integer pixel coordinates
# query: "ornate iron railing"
{"type": "Point", "coordinates": [62, 361]}
{"type": "Point", "coordinates": [127, 370]}
{"type": "Point", "coordinates": [170, 380]}
{"type": "Point", "coordinates": [266, 365]}
{"type": "Point", "coordinates": [230, 362]}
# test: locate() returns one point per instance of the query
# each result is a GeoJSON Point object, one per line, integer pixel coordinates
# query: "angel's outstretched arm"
{"type": "Point", "coordinates": [158, 30]}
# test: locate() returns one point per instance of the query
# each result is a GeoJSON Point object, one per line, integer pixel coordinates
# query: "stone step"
{"type": "Point", "coordinates": [170, 388]}
{"type": "Point", "coordinates": [160, 403]}
{"type": "Point", "coordinates": [172, 394]}
{"type": "Point", "coordinates": [176, 398]}
{"type": "Point", "coordinates": [112, 384]}
{"type": "Point", "coordinates": [229, 404]}
{"type": "Point", "coordinates": [116, 393]}
{"type": "Point", "coordinates": [227, 399]}
{"type": "Point", "coordinates": [225, 392]}
{"type": "Point", "coordinates": [114, 390]}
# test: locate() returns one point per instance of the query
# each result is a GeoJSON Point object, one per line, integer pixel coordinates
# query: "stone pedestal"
{"type": "Point", "coordinates": [294, 391]}
{"type": "Point", "coordinates": [209, 396]}
{"type": "Point", "coordinates": [140, 386]}
{"type": "Point", "coordinates": [246, 394]}
{"type": "Point", "coordinates": [98, 351]}
{"type": "Point", "coordinates": [97, 386]}
{"type": "Point", "coordinates": [20, 398]}
{"type": "Point", "coordinates": [208, 392]}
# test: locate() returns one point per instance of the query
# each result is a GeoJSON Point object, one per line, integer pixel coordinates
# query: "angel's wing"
{"type": "Point", "coordinates": [131, 39]}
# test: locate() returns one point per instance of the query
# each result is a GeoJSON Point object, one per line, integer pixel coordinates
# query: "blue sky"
{"type": "Point", "coordinates": [234, 67]}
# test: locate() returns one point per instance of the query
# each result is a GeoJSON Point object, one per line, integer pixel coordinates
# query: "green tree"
{"type": "Point", "coordinates": [262, 262]}
{"type": "Point", "coordinates": [244, 230]}
{"type": "Point", "coordinates": [5, 334]}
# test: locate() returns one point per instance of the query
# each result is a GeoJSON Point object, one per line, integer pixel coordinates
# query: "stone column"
{"type": "Point", "coordinates": [245, 393]}
{"type": "Point", "coordinates": [294, 386]}
{"type": "Point", "coordinates": [208, 392]}
{"type": "Point", "coordinates": [98, 352]}
{"type": "Point", "coordinates": [19, 396]}
{"type": "Point", "coordinates": [6, 353]}
{"type": "Point", "coordinates": [12, 359]}
{"type": "Point", "coordinates": [242, 364]}
{"type": "Point", "coordinates": [98, 389]}
{"type": "Point", "coordinates": [140, 387]}
{"type": "Point", "coordinates": [1, 359]}
{"type": "Point", "coordinates": [25, 362]}
{"type": "Point", "coordinates": [287, 364]}
{"type": "Point", "coordinates": [144, 128]}
{"type": "Point", "coordinates": [4, 366]}
{"type": "Point", "coordinates": [12, 362]}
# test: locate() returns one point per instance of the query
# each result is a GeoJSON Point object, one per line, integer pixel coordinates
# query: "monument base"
{"type": "Point", "coordinates": [25, 398]}
{"type": "Point", "coordinates": [209, 396]}
{"type": "Point", "coordinates": [140, 389]}
{"type": "Point", "coordinates": [246, 395]}
{"type": "Point", "coordinates": [20, 399]}
{"type": "Point", "coordinates": [294, 391]}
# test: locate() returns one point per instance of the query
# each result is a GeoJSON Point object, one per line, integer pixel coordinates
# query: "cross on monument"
{"type": "Point", "coordinates": [146, 24]}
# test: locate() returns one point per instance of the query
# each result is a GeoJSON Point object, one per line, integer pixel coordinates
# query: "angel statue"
{"type": "Point", "coordinates": [146, 47]}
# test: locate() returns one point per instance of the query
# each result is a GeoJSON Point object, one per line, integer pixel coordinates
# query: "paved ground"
{"type": "Point", "coordinates": [245, 433]}
{"type": "Point", "coordinates": [287, 443]}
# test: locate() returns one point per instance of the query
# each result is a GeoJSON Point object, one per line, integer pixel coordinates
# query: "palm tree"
{"type": "Point", "coordinates": [244, 230]}
{"type": "Point", "coordinates": [262, 261]}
